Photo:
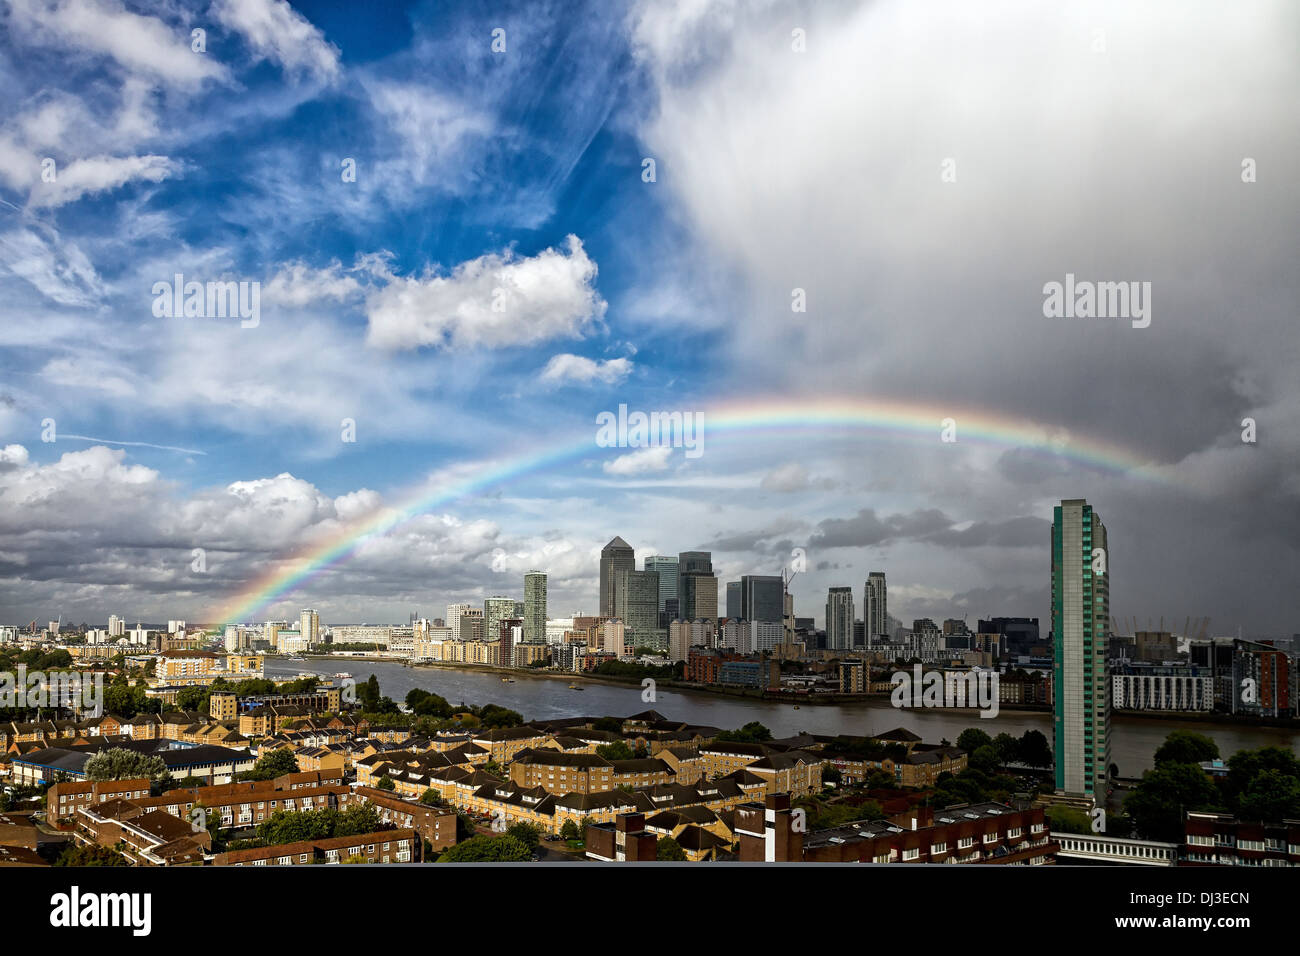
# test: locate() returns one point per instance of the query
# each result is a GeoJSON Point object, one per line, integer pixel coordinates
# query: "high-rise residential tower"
{"type": "Point", "coordinates": [839, 619]}
{"type": "Point", "coordinates": [614, 557]}
{"type": "Point", "coordinates": [309, 626]}
{"type": "Point", "coordinates": [454, 611]}
{"type": "Point", "coordinates": [535, 607]}
{"type": "Point", "coordinates": [1080, 613]}
{"type": "Point", "coordinates": [875, 609]}
{"type": "Point", "coordinates": [496, 609]}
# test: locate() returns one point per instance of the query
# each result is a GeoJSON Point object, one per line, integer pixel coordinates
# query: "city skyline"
{"type": "Point", "coordinates": [466, 258]}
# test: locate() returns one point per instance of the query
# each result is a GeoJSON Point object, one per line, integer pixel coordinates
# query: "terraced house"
{"type": "Point", "coordinates": [385, 846]}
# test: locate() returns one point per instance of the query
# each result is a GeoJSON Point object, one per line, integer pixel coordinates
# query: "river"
{"type": "Point", "coordinates": [1133, 739]}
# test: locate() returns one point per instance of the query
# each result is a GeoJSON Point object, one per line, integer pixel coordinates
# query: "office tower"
{"type": "Point", "coordinates": [309, 626]}
{"type": "Point", "coordinates": [614, 557]}
{"type": "Point", "coordinates": [496, 609]}
{"type": "Point", "coordinates": [519, 610]}
{"type": "Point", "coordinates": [761, 597]}
{"type": "Point", "coordinates": [637, 600]}
{"type": "Point", "coordinates": [1080, 612]}
{"type": "Point", "coordinates": [666, 568]}
{"type": "Point", "coordinates": [116, 626]}
{"type": "Point", "coordinates": [1020, 635]}
{"type": "Point", "coordinates": [839, 619]}
{"type": "Point", "coordinates": [454, 611]}
{"type": "Point", "coordinates": [698, 593]}
{"type": "Point", "coordinates": [875, 609]}
{"type": "Point", "coordinates": [535, 607]}
{"type": "Point", "coordinates": [733, 599]}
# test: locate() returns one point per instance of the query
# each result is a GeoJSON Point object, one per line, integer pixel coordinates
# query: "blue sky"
{"type": "Point", "coordinates": [1101, 139]}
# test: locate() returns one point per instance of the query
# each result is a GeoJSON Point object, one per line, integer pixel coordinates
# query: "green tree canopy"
{"type": "Point", "coordinates": [1185, 746]}
{"type": "Point", "coordinates": [119, 763]}
{"type": "Point", "coordinates": [669, 850]}
{"type": "Point", "coordinates": [1157, 804]}
{"type": "Point", "coordinates": [487, 849]}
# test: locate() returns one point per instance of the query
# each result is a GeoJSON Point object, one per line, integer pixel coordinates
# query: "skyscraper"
{"type": "Point", "coordinates": [637, 600]}
{"type": "Point", "coordinates": [1080, 612]}
{"type": "Point", "coordinates": [666, 568]}
{"type": "Point", "coordinates": [454, 611]}
{"type": "Point", "coordinates": [614, 557]}
{"type": "Point", "coordinates": [496, 609]}
{"type": "Point", "coordinates": [733, 599]}
{"type": "Point", "coordinates": [309, 626]}
{"type": "Point", "coordinates": [698, 596]}
{"type": "Point", "coordinates": [697, 587]}
{"type": "Point", "coordinates": [839, 619]}
{"type": "Point", "coordinates": [761, 597]}
{"type": "Point", "coordinates": [535, 607]}
{"type": "Point", "coordinates": [875, 608]}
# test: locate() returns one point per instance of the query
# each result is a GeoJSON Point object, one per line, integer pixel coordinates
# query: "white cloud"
{"type": "Point", "coordinates": [789, 477]}
{"type": "Point", "coordinates": [298, 284]}
{"type": "Point", "coordinates": [566, 367]}
{"type": "Point", "coordinates": [98, 173]}
{"type": "Point", "coordinates": [277, 32]}
{"type": "Point", "coordinates": [144, 45]}
{"type": "Point", "coordinates": [493, 301]}
{"type": "Point", "coordinates": [640, 462]}
{"type": "Point", "coordinates": [58, 269]}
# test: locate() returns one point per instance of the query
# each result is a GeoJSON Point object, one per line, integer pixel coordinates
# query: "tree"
{"type": "Point", "coordinates": [1158, 802]}
{"type": "Point", "coordinates": [1034, 749]}
{"type": "Point", "coordinates": [570, 831]}
{"type": "Point", "coordinates": [618, 750]}
{"type": "Point", "coordinates": [984, 758]}
{"type": "Point", "coordinates": [368, 694]}
{"type": "Point", "coordinates": [1270, 797]}
{"type": "Point", "coordinates": [91, 855]}
{"type": "Point", "coordinates": [1067, 819]}
{"type": "Point", "coordinates": [1185, 746]}
{"type": "Point", "coordinates": [386, 783]}
{"type": "Point", "coordinates": [530, 835]}
{"type": "Point", "coordinates": [1008, 748]}
{"type": "Point", "coordinates": [753, 732]}
{"type": "Point", "coordinates": [272, 764]}
{"type": "Point", "coordinates": [669, 850]}
{"type": "Point", "coordinates": [487, 849]}
{"type": "Point", "coordinates": [430, 798]}
{"type": "Point", "coordinates": [118, 763]}
{"type": "Point", "coordinates": [972, 739]}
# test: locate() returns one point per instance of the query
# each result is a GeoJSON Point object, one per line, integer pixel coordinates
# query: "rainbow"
{"type": "Point", "coordinates": [885, 419]}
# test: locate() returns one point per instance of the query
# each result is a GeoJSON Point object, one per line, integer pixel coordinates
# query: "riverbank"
{"type": "Point", "coordinates": [795, 700]}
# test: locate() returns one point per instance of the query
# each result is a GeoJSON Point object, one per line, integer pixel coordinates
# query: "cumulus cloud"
{"type": "Point", "coordinates": [566, 367]}
{"type": "Point", "coordinates": [494, 301]}
{"type": "Point", "coordinates": [640, 462]}
{"type": "Point", "coordinates": [297, 284]}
